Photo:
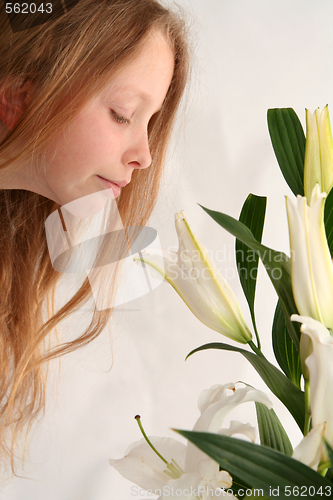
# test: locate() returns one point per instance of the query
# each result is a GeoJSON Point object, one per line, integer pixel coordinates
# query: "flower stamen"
{"type": "Point", "coordinates": [138, 419]}
{"type": "Point", "coordinates": [173, 470]}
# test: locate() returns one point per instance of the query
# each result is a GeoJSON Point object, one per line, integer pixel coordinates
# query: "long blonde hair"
{"type": "Point", "coordinates": [78, 50]}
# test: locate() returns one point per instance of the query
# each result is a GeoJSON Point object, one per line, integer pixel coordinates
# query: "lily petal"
{"type": "Point", "coordinates": [187, 485]}
{"type": "Point", "coordinates": [311, 448]}
{"type": "Point", "coordinates": [210, 470]}
{"type": "Point", "coordinates": [240, 428]}
{"type": "Point", "coordinates": [216, 393]}
{"type": "Point", "coordinates": [143, 467]}
{"type": "Point", "coordinates": [318, 161]}
{"type": "Point", "coordinates": [212, 418]}
{"type": "Point", "coordinates": [213, 480]}
{"type": "Point", "coordinates": [320, 366]}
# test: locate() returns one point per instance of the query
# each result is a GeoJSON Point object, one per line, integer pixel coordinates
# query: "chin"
{"type": "Point", "coordinates": [87, 205]}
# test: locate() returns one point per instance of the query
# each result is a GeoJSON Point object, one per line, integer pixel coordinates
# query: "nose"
{"type": "Point", "coordinates": [138, 153]}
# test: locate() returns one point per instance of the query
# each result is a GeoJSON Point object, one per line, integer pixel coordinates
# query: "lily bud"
{"type": "Point", "coordinates": [318, 162]}
{"type": "Point", "coordinates": [311, 264]}
{"type": "Point", "coordinates": [197, 281]}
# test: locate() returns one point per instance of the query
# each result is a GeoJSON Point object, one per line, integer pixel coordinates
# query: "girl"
{"type": "Point", "coordinates": [86, 98]}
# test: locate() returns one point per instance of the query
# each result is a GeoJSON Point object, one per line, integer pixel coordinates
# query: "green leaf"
{"type": "Point", "coordinates": [328, 220]}
{"type": "Point", "coordinates": [238, 484]}
{"type": "Point", "coordinates": [272, 433]}
{"type": "Point", "coordinates": [253, 216]}
{"type": "Point", "coordinates": [284, 349]}
{"type": "Point", "coordinates": [288, 142]}
{"type": "Point", "coordinates": [254, 494]}
{"type": "Point", "coordinates": [261, 467]}
{"type": "Point", "coordinates": [278, 383]}
{"type": "Point", "coordinates": [277, 265]}
{"type": "Point", "coordinates": [329, 473]}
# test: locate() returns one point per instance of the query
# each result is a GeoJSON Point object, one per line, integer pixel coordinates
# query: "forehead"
{"type": "Point", "coordinates": [148, 74]}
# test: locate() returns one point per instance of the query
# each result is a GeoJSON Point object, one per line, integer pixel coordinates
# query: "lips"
{"type": "Point", "coordinates": [121, 183]}
{"type": "Point", "coordinates": [117, 183]}
{"type": "Point", "coordinates": [109, 184]}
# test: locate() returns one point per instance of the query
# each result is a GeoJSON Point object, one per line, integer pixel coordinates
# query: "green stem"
{"type": "Point", "coordinates": [307, 406]}
{"type": "Point", "coordinates": [255, 329]}
{"type": "Point", "coordinates": [137, 418]}
{"type": "Point", "coordinates": [255, 349]}
{"type": "Point", "coordinates": [323, 468]}
{"type": "Point", "coordinates": [258, 339]}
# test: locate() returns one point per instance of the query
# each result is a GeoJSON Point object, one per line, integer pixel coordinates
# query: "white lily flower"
{"type": "Point", "coordinates": [192, 474]}
{"type": "Point", "coordinates": [318, 161]}
{"type": "Point", "coordinates": [215, 404]}
{"type": "Point", "coordinates": [311, 264]}
{"type": "Point", "coordinates": [195, 278]}
{"type": "Point", "coordinates": [319, 362]}
{"type": "Point", "coordinates": [143, 467]}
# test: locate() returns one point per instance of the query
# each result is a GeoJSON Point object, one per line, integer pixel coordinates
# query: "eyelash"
{"type": "Point", "coordinates": [118, 118]}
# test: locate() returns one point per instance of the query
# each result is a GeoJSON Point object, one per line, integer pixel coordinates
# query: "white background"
{"type": "Point", "coordinates": [249, 55]}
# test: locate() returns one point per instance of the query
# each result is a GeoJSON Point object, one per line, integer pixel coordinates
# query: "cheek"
{"type": "Point", "coordinates": [85, 147]}
{"type": "Point", "coordinates": [95, 140]}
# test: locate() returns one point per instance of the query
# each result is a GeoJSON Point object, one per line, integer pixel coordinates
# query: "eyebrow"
{"type": "Point", "coordinates": [144, 96]}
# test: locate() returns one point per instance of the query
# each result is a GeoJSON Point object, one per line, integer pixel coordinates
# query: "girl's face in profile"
{"type": "Point", "coordinates": [108, 138]}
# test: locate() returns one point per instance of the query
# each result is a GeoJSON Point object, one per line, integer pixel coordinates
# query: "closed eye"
{"type": "Point", "coordinates": [119, 118]}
